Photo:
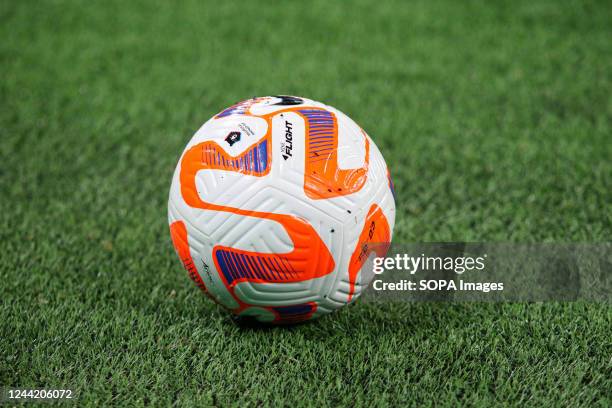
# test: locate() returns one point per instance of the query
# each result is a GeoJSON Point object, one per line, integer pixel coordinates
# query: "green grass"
{"type": "Point", "coordinates": [495, 121]}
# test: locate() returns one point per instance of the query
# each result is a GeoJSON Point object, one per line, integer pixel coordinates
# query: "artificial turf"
{"type": "Point", "coordinates": [495, 120]}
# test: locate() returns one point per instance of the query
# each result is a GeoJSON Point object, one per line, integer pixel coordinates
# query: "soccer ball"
{"type": "Point", "coordinates": [275, 205]}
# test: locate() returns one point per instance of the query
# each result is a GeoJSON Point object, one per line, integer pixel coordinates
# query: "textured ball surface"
{"type": "Point", "coordinates": [273, 205]}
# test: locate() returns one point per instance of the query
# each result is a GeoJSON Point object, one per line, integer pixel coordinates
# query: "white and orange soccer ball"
{"type": "Point", "coordinates": [274, 205]}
